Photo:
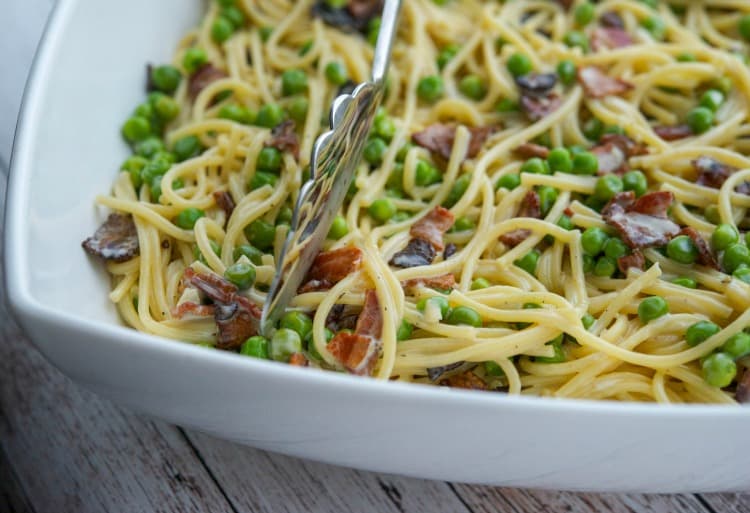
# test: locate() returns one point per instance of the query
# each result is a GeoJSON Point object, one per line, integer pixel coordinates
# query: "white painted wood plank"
{"type": "Point", "coordinates": [728, 502]}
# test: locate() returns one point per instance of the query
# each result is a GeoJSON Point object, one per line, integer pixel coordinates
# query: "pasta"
{"type": "Point", "coordinates": [552, 202]}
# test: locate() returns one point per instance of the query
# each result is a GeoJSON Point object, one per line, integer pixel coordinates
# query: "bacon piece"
{"type": "Point", "coordinates": [611, 159]}
{"type": "Point", "coordinates": [514, 238]}
{"type": "Point", "coordinates": [536, 84]}
{"type": "Point", "coordinates": [442, 282]}
{"type": "Point", "coordinates": [191, 310]}
{"type": "Point", "coordinates": [298, 360]}
{"type": "Point", "coordinates": [611, 19]}
{"type": "Point", "coordinates": [433, 226]}
{"type": "Point", "coordinates": [225, 202]}
{"type": "Point", "coordinates": [358, 351]}
{"type": "Point", "coordinates": [330, 267]}
{"type": "Point", "coordinates": [608, 38]}
{"type": "Point", "coordinates": [630, 147]}
{"type": "Point", "coordinates": [538, 107]}
{"type": "Point", "coordinates": [116, 239]}
{"type": "Point", "coordinates": [635, 259]}
{"type": "Point", "coordinates": [438, 138]}
{"type": "Point", "coordinates": [284, 138]}
{"type": "Point", "coordinates": [444, 371]}
{"type": "Point", "coordinates": [530, 207]}
{"type": "Point", "coordinates": [597, 84]}
{"type": "Point", "coordinates": [673, 133]}
{"type": "Point", "coordinates": [204, 76]}
{"type": "Point", "coordinates": [529, 150]}
{"type": "Point", "coordinates": [742, 393]}
{"type": "Point", "coordinates": [364, 9]}
{"type": "Point", "coordinates": [711, 172]}
{"type": "Point", "coordinates": [705, 256]}
{"type": "Point", "coordinates": [642, 223]}
{"type": "Point", "coordinates": [417, 252]}
{"type": "Point", "coordinates": [467, 380]}
{"type": "Point", "coordinates": [235, 316]}
{"type": "Point", "coordinates": [450, 250]}
{"type": "Point", "coordinates": [565, 3]}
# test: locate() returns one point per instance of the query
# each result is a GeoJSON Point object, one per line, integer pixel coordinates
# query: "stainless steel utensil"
{"type": "Point", "coordinates": [335, 156]}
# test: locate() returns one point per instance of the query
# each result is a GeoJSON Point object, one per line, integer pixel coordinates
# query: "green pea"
{"type": "Point", "coordinates": [134, 166]}
{"type": "Point", "coordinates": [146, 109]}
{"type": "Point", "coordinates": [605, 267]}
{"type": "Point", "coordinates": [535, 165]}
{"type": "Point", "coordinates": [744, 27]}
{"type": "Point", "coordinates": [635, 181]}
{"type": "Point", "coordinates": [567, 70]}
{"type": "Point", "coordinates": [235, 16]}
{"type": "Point", "coordinates": [589, 263]}
{"type": "Point", "coordinates": [404, 331]}
{"type": "Point", "coordinates": [737, 346]}
{"type": "Point", "coordinates": [269, 115]}
{"type": "Point", "coordinates": [607, 186]}
{"type": "Point", "coordinates": [593, 129]}
{"type": "Point", "coordinates": [682, 249]}
{"type": "Point", "coordinates": [686, 57]}
{"type": "Point", "coordinates": [265, 33]}
{"type": "Point", "coordinates": [154, 185]}
{"type": "Point", "coordinates": [479, 283]}
{"type": "Point", "coordinates": [260, 234]}
{"type": "Point", "coordinates": [136, 129]}
{"type": "Point", "coordinates": [493, 369]}
{"type": "Point", "coordinates": [284, 216]}
{"type": "Point", "coordinates": [593, 240]}
{"type": "Point", "coordinates": [711, 213]}
{"type": "Point", "coordinates": [472, 87]}
{"type": "Point", "coordinates": [700, 120]}
{"type": "Point", "coordinates": [222, 29]}
{"type": "Point", "coordinates": [559, 354]}
{"type": "Point", "coordinates": [166, 108]}
{"type": "Point", "coordinates": [430, 89]}
{"type": "Point", "coordinates": [652, 308]}
{"type": "Point", "coordinates": [263, 178]}
{"type": "Point", "coordinates": [238, 113]}
{"type": "Point", "coordinates": [382, 210]}
{"type": "Point", "coordinates": [293, 81]}
{"type": "Point", "coordinates": [509, 181]}
{"type": "Point", "coordinates": [187, 147]}
{"type": "Point", "coordinates": [463, 224]}
{"type": "Point", "coordinates": [507, 105]}
{"type": "Point", "coordinates": [655, 26]}
{"type": "Point", "coordinates": [337, 4]}
{"type": "Point", "coordinates": [719, 370]}
{"type": "Point", "coordinates": [338, 229]}
{"type": "Point", "coordinates": [156, 167]}
{"type": "Point", "coordinates": [712, 99]}
{"type": "Point", "coordinates": [700, 331]}
{"type": "Point", "coordinates": [241, 274]}
{"type": "Point", "coordinates": [250, 252]}
{"type": "Point", "coordinates": [439, 302]}
{"type": "Point", "coordinates": [188, 217]}
{"type": "Point", "coordinates": [547, 198]}
{"type": "Point", "coordinates": [585, 163]}
{"type": "Point", "coordinates": [576, 39]}
{"type": "Point", "coordinates": [458, 190]}
{"type": "Point", "coordinates": [565, 222]}
{"type": "Point", "coordinates": [149, 147]}
{"type": "Point", "coordinates": [384, 128]}
{"type": "Point", "coordinates": [464, 315]}
{"type": "Point", "coordinates": [651, 3]}
{"type": "Point", "coordinates": [446, 54]}
{"type": "Point", "coordinates": [298, 108]}
{"type": "Point", "coordinates": [742, 273]}
{"type": "Point", "coordinates": [256, 346]}
{"type": "Point", "coordinates": [734, 256]}
{"type": "Point", "coordinates": [284, 344]}
{"type": "Point", "coordinates": [684, 281]}
{"type": "Point", "coordinates": [426, 174]}
{"type": "Point", "coordinates": [166, 78]}
{"type": "Point", "coordinates": [529, 261]}
{"type": "Point", "coordinates": [559, 160]}
{"type": "Point", "coordinates": [519, 64]}
{"type": "Point", "coordinates": [269, 159]}
{"type": "Point", "coordinates": [587, 320]}
{"type": "Point", "coordinates": [374, 150]}
{"type": "Point", "coordinates": [584, 13]}
{"type": "Point", "coordinates": [297, 321]}
{"type": "Point", "coordinates": [724, 236]}
{"type": "Point", "coordinates": [194, 59]}
{"type": "Point", "coordinates": [615, 248]}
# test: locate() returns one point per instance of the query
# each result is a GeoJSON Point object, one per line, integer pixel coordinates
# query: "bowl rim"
{"type": "Point", "coordinates": [27, 309]}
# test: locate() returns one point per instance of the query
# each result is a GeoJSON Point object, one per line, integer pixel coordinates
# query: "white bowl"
{"type": "Point", "coordinates": [86, 78]}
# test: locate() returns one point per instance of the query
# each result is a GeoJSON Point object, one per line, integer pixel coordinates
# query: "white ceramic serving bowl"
{"type": "Point", "coordinates": [86, 79]}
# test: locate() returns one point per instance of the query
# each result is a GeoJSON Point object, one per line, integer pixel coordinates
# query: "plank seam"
{"type": "Point", "coordinates": [705, 503]}
{"type": "Point", "coordinates": [208, 469]}
{"type": "Point", "coordinates": [460, 497]}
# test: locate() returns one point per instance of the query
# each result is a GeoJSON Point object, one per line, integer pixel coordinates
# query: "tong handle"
{"type": "Point", "coordinates": [386, 36]}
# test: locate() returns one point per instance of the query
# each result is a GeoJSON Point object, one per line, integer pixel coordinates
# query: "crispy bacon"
{"type": "Point", "coordinates": [673, 133]}
{"type": "Point", "coordinates": [611, 19]}
{"type": "Point", "coordinates": [705, 256]}
{"type": "Point", "coordinates": [608, 38]}
{"type": "Point", "coordinates": [417, 252]}
{"type": "Point", "coordinates": [712, 173]}
{"type": "Point", "coordinates": [364, 9]}
{"type": "Point", "coordinates": [536, 84]}
{"type": "Point", "coordinates": [204, 76]}
{"type": "Point", "coordinates": [743, 387]}
{"type": "Point", "coordinates": [514, 238]}
{"type": "Point", "coordinates": [450, 250]}
{"type": "Point", "coordinates": [355, 16]}
{"type": "Point", "coordinates": [565, 3]}
{"type": "Point", "coordinates": [635, 259]}
{"type": "Point", "coordinates": [235, 316]}
{"type": "Point", "coordinates": [530, 207]}
{"type": "Point", "coordinates": [191, 310]}
{"type": "Point", "coordinates": [358, 351]}
{"type": "Point", "coordinates": [642, 223]}
{"type": "Point", "coordinates": [330, 267]}
{"type": "Point", "coordinates": [433, 226]}
{"type": "Point", "coordinates": [630, 147]}
{"type": "Point", "coordinates": [298, 360]}
{"type": "Point", "coordinates": [611, 158]}
{"type": "Point", "coordinates": [597, 84]}
{"type": "Point", "coordinates": [529, 150]}
{"type": "Point", "coordinates": [442, 282]}
{"type": "Point", "coordinates": [116, 239]}
{"type": "Point", "coordinates": [467, 380]}
{"type": "Point", "coordinates": [225, 202]}
{"type": "Point", "coordinates": [444, 371]}
{"type": "Point", "coordinates": [284, 138]}
{"type": "Point", "coordinates": [438, 138]}
{"type": "Point", "coordinates": [538, 107]}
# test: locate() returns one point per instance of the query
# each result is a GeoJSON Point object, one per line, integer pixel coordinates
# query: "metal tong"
{"type": "Point", "coordinates": [335, 156]}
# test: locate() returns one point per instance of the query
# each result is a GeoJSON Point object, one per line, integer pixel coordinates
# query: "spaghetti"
{"type": "Point", "coordinates": [552, 201]}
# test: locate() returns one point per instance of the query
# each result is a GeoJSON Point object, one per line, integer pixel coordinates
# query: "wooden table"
{"type": "Point", "coordinates": [63, 449]}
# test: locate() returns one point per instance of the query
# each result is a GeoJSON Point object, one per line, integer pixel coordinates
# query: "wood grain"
{"type": "Point", "coordinates": [728, 502]}
{"type": "Point", "coordinates": [12, 497]}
